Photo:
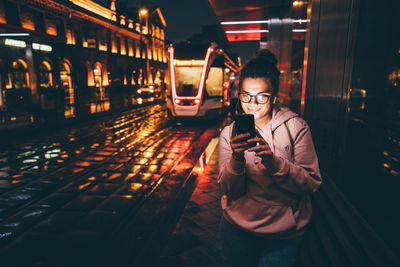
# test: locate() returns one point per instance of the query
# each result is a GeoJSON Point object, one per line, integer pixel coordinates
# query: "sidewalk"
{"type": "Point", "coordinates": [194, 241]}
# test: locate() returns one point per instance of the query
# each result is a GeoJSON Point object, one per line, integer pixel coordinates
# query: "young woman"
{"type": "Point", "coordinates": [266, 180]}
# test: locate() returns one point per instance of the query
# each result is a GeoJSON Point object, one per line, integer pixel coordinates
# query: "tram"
{"type": "Point", "coordinates": [199, 81]}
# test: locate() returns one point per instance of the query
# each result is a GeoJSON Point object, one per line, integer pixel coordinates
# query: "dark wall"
{"type": "Point", "coordinates": [330, 47]}
{"type": "Point", "coordinates": [372, 149]}
{"type": "Point", "coordinates": [353, 104]}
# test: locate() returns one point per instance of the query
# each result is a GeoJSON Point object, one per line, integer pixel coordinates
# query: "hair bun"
{"type": "Point", "coordinates": [267, 56]}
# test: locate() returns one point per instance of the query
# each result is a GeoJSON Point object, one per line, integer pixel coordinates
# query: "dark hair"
{"type": "Point", "coordinates": [263, 65]}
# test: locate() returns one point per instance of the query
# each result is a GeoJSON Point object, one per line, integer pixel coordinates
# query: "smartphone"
{"type": "Point", "coordinates": [244, 123]}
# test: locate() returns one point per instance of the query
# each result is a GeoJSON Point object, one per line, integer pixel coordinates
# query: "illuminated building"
{"type": "Point", "coordinates": [66, 59]}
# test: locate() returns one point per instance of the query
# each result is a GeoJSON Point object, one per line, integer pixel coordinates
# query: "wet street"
{"type": "Point", "coordinates": [95, 195]}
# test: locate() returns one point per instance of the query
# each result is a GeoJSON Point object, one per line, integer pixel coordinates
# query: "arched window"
{"type": "Point", "coordinates": [45, 75]}
{"type": "Point", "coordinates": [98, 76]}
{"type": "Point", "coordinates": [66, 83]}
{"type": "Point", "coordinates": [65, 75]}
{"type": "Point", "coordinates": [19, 74]}
{"type": "Point", "coordinates": [100, 101]}
{"type": "Point", "coordinates": [158, 35]}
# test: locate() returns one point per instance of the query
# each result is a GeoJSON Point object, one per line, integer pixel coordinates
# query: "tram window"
{"type": "Point", "coordinates": [45, 75]}
{"type": "Point", "coordinates": [187, 78]}
{"type": "Point", "coordinates": [214, 83]}
{"type": "Point", "coordinates": [187, 90]}
{"type": "Point", "coordinates": [19, 74]}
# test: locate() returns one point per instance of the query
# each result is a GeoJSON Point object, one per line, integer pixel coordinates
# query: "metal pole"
{"type": "Point", "coordinates": [280, 43]}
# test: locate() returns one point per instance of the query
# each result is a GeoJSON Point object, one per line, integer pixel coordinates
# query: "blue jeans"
{"type": "Point", "coordinates": [244, 249]}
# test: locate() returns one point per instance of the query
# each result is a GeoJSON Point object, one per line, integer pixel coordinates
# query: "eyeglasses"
{"type": "Point", "coordinates": [261, 98]}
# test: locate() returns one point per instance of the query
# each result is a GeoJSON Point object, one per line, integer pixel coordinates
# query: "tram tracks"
{"type": "Point", "coordinates": [22, 180]}
{"type": "Point", "coordinates": [114, 177]}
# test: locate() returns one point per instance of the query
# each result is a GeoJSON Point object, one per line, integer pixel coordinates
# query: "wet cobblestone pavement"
{"type": "Point", "coordinates": [194, 241]}
{"type": "Point", "coordinates": [92, 196]}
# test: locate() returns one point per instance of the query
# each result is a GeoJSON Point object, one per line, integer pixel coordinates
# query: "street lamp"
{"type": "Point", "coordinates": [143, 30]}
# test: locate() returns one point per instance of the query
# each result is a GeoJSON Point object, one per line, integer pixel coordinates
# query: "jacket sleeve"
{"type": "Point", "coordinates": [231, 176]}
{"type": "Point", "coordinates": [303, 176]}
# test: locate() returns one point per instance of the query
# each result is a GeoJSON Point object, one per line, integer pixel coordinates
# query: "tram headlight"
{"type": "Point", "coordinates": [177, 101]}
{"type": "Point", "coordinates": [197, 101]}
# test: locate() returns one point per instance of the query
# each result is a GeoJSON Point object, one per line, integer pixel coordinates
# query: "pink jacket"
{"type": "Point", "coordinates": [272, 201]}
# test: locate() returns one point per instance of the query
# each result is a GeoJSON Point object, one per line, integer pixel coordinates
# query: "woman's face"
{"type": "Point", "coordinates": [254, 86]}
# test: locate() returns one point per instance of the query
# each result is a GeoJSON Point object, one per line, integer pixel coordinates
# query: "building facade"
{"type": "Point", "coordinates": [73, 58]}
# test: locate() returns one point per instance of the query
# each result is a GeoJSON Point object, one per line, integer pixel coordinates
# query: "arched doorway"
{"type": "Point", "coordinates": [18, 94]}
{"type": "Point", "coordinates": [69, 94]}
{"type": "Point", "coordinates": [45, 75]}
{"type": "Point", "coordinates": [100, 100]}
{"type": "Point", "coordinates": [47, 93]}
{"type": "Point", "coordinates": [19, 74]}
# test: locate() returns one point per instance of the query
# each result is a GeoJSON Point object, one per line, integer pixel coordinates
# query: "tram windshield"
{"type": "Point", "coordinates": [187, 80]}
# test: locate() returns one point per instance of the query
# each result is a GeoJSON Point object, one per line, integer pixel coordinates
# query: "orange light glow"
{"type": "Point", "coordinates": [106, 105]}
{"type": "Point", "coordinates": [143, 11]}
{"type": "Point", "coordinates": [9, 83]}
{"type": "Point", "coordinates": [122, 20]}
{"type": "Point", "coordinates": [137, 51]}
{"type": "Point", "coordinates": [92, 178]}
{"type": "Point", "coordinates": [114, 48]}
{"type": "Point", "coordinates": [105, 77]}
{"type": "Point", "coordinates": [3, 18]}
{"type": "Point", "coordinates": [93, 108]}
{"type": "Point", "coordinates": [28, 23]}
{"type": "Point", "coordinates": [51, 28]}
{"type": "Point", "coordinates": [130, 24]}
{"type": "Point", "coordinates": [123, 48]}
{"type": "Point", "coordinates": [130, 50]}
{"type": "Point", "coordinates": [78, 170]}
{"type": "Point", "coordinates": [385, 165]}
{"type": "Point", "coordinates": [299, 3]}
{"type": "Point", "coordinates": [70, 37]}
{"type": "Point", "coordinates": [83, 186]}
{"type": "Point", "coordinates": [13, 118]}
{"type": "Point", "coordinates": [303, 86]}
{"type": "Point", "coordinates": [102, 47]}
{"type": "Point", "coordinates": [136, 186]}
{"type": "Point", "coordinates": [137, 27]}
{"type": "Point", "coordinates": [96, 8]}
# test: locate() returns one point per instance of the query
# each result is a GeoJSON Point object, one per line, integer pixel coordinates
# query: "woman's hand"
{"type": "Point", "coordinates": [239, 144]}
{"type": "Point", "coordinates": [262, 149]}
